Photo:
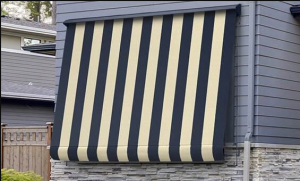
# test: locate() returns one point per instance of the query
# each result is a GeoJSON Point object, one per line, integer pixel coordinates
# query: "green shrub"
{"type": "Point", "coordinates": [12, 175]}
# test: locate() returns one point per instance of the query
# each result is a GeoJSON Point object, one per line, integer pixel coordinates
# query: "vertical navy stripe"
{"type": "Point", "coordinates": [80, 93]}
{"type": "Point", "coordinates": [183, 64]}
{"type": "Point", "coordinates": [160, 87]}
{"type": "Point", "coordinates": [139, 89]}
{"type": "Point", "coordinates": [119, 90]}
{"type": "Point", "coordinates": [63, 86]}
{"type": "Point", "coordinates": [100, 87]}
{"type": "Point", "coordinates": [208, 29]}
{"type": "Point", "coordinates": [224, 84]}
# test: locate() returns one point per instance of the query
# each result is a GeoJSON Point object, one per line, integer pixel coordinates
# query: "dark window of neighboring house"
{"type": "Point", "coordinates": [30, 41]}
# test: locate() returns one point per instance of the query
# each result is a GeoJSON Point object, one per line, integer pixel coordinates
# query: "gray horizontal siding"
{"type": "Point", "coordinates": [291, 2]}
{"type": "Point", "coordinates": [292, 105]}
{"type": "Point", "coordinates": [69, 2]}
{"type": "Point", "coordinates": [277, 73]}
{"type": "Point", "coordinates": [277, 34]}
{"type": "Point", "coordinates": [20, 113]}
{"type": "Point", "coordinates": [278, 63]}
{"type": "Point", "coordinates": [277, 24]}
{"type": "Point", "coordinates": [277, 83]}
{"type": "Point", "coordinates": [72, 10]}
{"type": "Point", "coordinates": [277, 80]}
{"type": "Point", "coordinates": [277, 140]}
{"type": "Point", "coordinates": [271, 131]}
{"type": "Point", "coordinates": [24, 68]}
{"type": "Point", "coordinates": [277, 54]}
{"type": "Point", "coordinates": [105, 5]}
{"type": "Point", "coordinates": [263, 90]}
{"type": "Point", "coordinates": [281, 10]}
{"type": "Point", "coordinates": [269, 102]}
{"type": "Point", "coordinates": [96, 10]}
{"type": "Point", "coordinates": [277, 112]}
{"type": "Point", "coordinates": [278, 44]}
{"type": "Point", "coordinates": [269, 121]}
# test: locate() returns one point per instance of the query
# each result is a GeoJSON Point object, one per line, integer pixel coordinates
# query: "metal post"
{"type": "Point", "coordinates": [2, 139]}
{"type": "Point", "coordinates": [251, 85]}
{"type": "Point", "coordinates": [247, 150]}
{"type": "Point", "coordinates": [49, 128]}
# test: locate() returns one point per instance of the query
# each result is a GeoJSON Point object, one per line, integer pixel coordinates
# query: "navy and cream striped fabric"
{"type": "Point", "coordinates": [146, 89]}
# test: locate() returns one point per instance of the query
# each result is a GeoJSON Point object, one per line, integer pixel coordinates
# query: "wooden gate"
{"type": "Point", "coordinates": [25, 149]}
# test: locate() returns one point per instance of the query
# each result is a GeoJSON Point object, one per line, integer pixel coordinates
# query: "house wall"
{"type": "Point", "coordinates": [24, 112]}
{"type": "Point", "coordinates": [81, 9]}
{"type": "Point", "coordinates": [276, 97]}
{"type": "Point", "coordinates": [277, 61]}
{"type": "Point", "coordinates": [22, 68]}
{"type": "Point", "coordinates": [11, 42]}
{"type": "Point", "coordinates": [277, 74]}
{"type": "Point", "coordinates": [27, 67]}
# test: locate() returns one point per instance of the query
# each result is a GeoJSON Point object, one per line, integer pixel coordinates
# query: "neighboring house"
{"type": "Point", "coordinates": [120, 98]}
{"type": "Point", "coordinates": [16, 33]}
{"type": "Point", "coordinates": [27, 79]}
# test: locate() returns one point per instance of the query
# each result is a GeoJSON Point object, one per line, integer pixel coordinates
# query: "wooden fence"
{"type": "Point", "coordinates": [25, 149]}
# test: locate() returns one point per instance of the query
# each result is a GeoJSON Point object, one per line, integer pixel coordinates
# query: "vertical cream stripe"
{"type": "Point", "coordinates": [129, 89]}
{"type": "Point", "coordinates": [149, 89]}
{"type": "Point", "coordinates": [90, 92]}
{"type": "Point", "coordinates": [212, 87]}
{"type": "Point", "coordinates": [191, 88]}
{"type": "Point", "coordinates": [71, 92]}
{"type": "Point", "coordinates": [166, 120]}
{"type": "Point", "coordinates": [109, 90]}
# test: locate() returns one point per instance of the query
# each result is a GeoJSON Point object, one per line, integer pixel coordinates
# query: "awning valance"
{"type": "Point", "coordinates": [146, 89]}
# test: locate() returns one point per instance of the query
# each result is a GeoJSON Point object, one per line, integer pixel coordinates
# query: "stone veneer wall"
{"type": "Point", "coordinates": [266, 164]}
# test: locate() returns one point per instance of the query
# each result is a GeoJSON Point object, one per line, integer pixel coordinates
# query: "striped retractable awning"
{"type": "Point", "coordinates": [145, 89]}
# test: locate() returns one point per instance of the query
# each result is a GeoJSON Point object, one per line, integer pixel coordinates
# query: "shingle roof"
{"type": "Point", "coordinates": [29, 23]}
{"type": "Point", "coordinates": [25, 91]}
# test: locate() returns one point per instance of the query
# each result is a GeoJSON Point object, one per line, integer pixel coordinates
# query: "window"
{"type": "Point", "coordinates": [31, 41]}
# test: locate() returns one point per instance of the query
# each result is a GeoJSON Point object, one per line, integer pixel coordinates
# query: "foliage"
{"type": "Point", "coordinates": [12, 8]}
{"type": "Point", "coordinates": [3, 12]}
{"type": "Point", "coordinates": [12, 175]}
{"type": "Point", "coordinates": [37, 8]}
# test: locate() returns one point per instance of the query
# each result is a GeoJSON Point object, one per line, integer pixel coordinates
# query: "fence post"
{"type": "Point", "coordinates": [49, 128]}
{"type": "Point", "coordinates": [2, 139]}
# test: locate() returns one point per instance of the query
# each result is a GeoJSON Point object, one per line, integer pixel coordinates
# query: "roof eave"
{"type": "Point", "coordinates": [38, 97]}
{"type": "Point", "coordinates": [28, 29]}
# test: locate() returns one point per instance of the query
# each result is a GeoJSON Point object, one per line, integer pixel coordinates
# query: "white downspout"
{"type": "Point", "coordinates": [251, 78]}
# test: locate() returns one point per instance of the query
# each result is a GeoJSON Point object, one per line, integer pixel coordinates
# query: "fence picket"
{"type": "Point", "coordinates": [25, 149]}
